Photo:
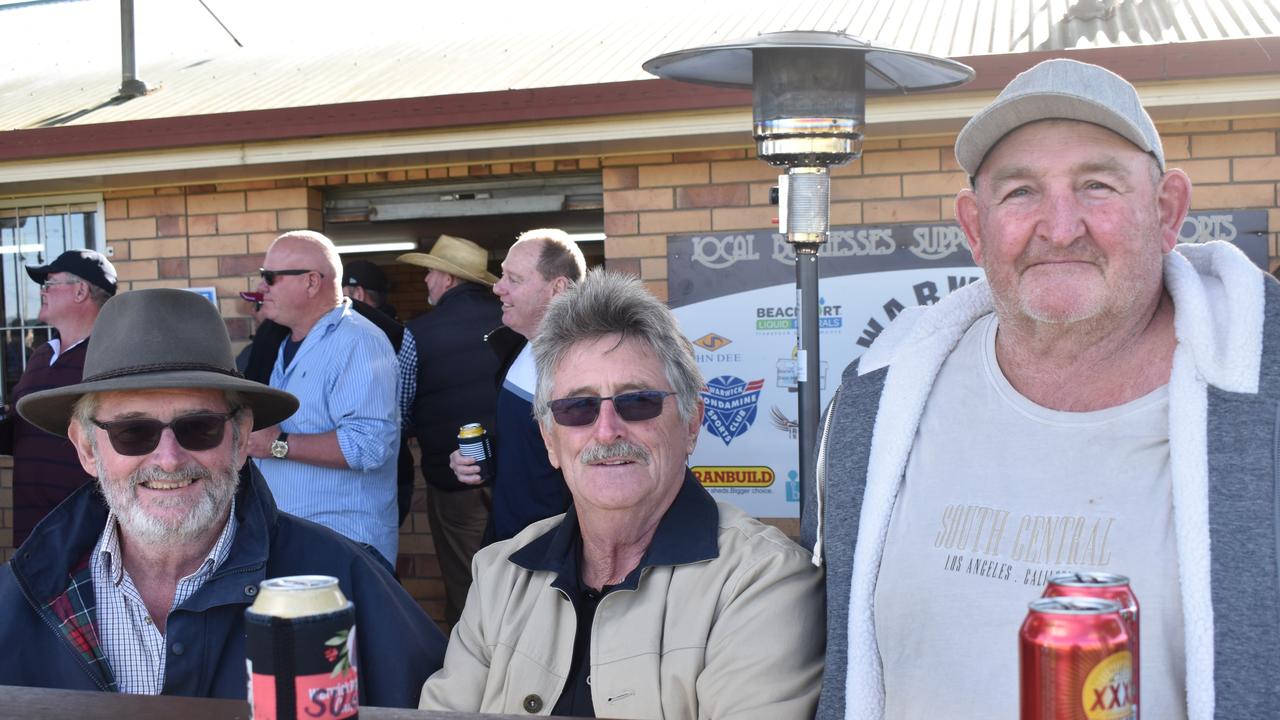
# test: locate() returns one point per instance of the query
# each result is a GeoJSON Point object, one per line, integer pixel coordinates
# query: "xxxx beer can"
{"type": "Point", "coordinates": [473, 442]}
{"type": "Point", "coordinates": [1106, 586]}
{"type": "Point", "coordinates": [1074, 661]}
{"type": "Point", "coordinates": [300, 649]}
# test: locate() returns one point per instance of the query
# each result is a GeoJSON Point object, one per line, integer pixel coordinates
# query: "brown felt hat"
{"type": "Point", "coordinates": [456, 256]}
{"type": "Point", "coordinates": [157, 339]}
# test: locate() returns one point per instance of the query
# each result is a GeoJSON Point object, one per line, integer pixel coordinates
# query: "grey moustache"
{"type": "Point", "coordinates": [620, 450]}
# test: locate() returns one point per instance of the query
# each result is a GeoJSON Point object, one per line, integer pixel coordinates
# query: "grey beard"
{"type": "Point", "coordinates": [217, 487]}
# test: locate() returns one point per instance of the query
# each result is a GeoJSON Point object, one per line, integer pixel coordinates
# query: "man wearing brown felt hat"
{"type": "Point", "coordinates": [138, 583]}
{"type": "Point", "coordinates": [454, 371]}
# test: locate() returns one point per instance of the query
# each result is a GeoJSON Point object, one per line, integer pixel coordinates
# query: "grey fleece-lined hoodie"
{"type": "Point", "coordinates": [1224, 433]}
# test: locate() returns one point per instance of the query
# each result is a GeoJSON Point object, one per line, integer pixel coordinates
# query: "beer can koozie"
{"type": "Point", "coordinates": [473, 442]}
{"type": "Point", "coordinates": [300, 650]}
{"type": "Point", "coordinates": [1107, 586]}
{"type": "Point", "coordinates": [1074, 661]}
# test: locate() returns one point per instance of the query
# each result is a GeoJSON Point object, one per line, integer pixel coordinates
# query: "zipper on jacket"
{"type": "Point", "coordinates": [819, 477]}
{"type": "Point", "coordinates": [62, 639]}
{"type": "Point", "coordinates": [1275, 484]}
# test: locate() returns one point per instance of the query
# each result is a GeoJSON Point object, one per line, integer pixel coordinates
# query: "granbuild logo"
{"type": "Point", "coordinates": [719, 253]}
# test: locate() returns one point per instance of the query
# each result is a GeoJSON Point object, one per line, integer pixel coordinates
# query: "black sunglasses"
{"type": "Point", "coordinates": [140, 436]}
{"type": "Point", "coordinates": [631, 406]}
{"type": "Point", "coordinates": [269, 276]}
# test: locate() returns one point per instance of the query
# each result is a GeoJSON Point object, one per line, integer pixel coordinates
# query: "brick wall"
{"type": "Point", "coordinates": [1232, 164]}
{"type": "Point", "coordinates": [205, 236]}
{"type": "Point", "coordinates": [216, 235]}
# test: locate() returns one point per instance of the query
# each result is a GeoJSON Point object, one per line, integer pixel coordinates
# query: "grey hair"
{"type": "Point", "coordinates": [558, 256]}
{"type": "Point", "coordinates": [87, 406]}
{"type": "Point", "coordinates": [97, 295]}
{"type": "Point", "coordinates": [614, 303]}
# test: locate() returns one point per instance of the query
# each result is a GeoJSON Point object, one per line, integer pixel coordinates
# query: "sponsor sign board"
{"type": "Point", "coordinates": [734, 294]}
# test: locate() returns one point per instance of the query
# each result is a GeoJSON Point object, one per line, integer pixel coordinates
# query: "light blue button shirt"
{"type": "Point", "coordinates": [345, 378]}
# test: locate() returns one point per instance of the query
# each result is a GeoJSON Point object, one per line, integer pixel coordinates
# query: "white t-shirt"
{"type": "Point", "coordinates": [999, 494]}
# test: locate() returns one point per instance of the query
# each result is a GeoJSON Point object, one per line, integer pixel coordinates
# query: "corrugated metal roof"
{"type": "Point", "coordinates": [60, 61]}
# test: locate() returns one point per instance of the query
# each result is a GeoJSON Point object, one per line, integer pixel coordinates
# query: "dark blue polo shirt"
{"type": "Point", "coordinates": [528, 488]}
{"type": "Point", "coordinates": [687, 533]}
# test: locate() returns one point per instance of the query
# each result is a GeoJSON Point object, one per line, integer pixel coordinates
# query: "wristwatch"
{"type": "Point", "coordinates": [280, 447]}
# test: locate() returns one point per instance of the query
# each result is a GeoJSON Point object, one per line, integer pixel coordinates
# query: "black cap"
{"type": "Point", "coordinates": [88, 265]}
{"type": "Point", "coordinates": [366, 275]}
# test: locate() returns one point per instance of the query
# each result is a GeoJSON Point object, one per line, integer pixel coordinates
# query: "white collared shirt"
{"type": "Point", "coordinates": [55, 344]}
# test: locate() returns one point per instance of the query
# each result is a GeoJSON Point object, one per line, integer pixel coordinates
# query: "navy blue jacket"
{"type": "Point", "coordinates": [398, 645]}
{"type": "Point", "coordinates": [455, 376]}
{"type": "Point", "coordinates": [528, 488]}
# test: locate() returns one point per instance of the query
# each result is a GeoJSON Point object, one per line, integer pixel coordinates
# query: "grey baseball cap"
{"type": "Point", "coordinates": [1064, 89]}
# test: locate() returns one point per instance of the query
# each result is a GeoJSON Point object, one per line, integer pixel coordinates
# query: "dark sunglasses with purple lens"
{"type": "Point", "coordinates": [633, 406]}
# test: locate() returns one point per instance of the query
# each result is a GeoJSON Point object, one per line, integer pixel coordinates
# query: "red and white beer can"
{"type": "Point", "coordinates": [1106, 586]}
{"type": "Point", "coordinates": [300, 650]}
{"type": "Point", "coordinates": [1074, 661]}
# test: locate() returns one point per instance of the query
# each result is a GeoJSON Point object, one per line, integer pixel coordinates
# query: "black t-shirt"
{"type": "Point", "coordinates": [290, 348]}
{"type": "Point", "coordinates": [575, 699]}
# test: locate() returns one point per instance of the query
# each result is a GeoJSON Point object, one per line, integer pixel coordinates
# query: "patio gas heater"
{"type": "Point", "coordinates": [808, 104]}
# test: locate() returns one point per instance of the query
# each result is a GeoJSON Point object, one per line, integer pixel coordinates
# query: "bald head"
{"type": "Point", "coordinates": [308, 280]}
{"type": "Point", "coordinates": [316, 250]}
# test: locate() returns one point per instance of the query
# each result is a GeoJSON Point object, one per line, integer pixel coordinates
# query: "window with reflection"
{"type": "Point", "coordinates": [34, 232]}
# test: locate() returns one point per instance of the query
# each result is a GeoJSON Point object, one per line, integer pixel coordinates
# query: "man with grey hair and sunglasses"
{"type": "Point", "coordinates": [647, 599]}
{"type": "Point", "coordinates": [139, 584]}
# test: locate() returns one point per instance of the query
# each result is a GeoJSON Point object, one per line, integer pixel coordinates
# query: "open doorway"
{"type": "Point", "coordinates": [380, 223]}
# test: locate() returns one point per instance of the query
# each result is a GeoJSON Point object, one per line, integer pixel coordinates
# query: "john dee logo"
{"type": "Point", "coordinates": [712, 342]}
{"type": "Point", "coordinates": [730, 406]}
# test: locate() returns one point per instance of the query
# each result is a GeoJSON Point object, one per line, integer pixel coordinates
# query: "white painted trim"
{"type": "Point", "coordinates": [897, 116]}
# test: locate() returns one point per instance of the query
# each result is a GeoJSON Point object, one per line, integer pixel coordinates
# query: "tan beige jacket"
{"type": "Point", "coordinates": [736, 636]}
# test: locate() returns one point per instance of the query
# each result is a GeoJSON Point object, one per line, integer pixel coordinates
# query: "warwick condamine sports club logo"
{"type": "Point", "coordinates": [730, 406]}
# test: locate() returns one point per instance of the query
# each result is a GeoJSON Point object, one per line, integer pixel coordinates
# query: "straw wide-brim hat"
{"type": "Point", "coordinates": [456, 256]}
{"type": "Point", "coordinates": [157, 339]}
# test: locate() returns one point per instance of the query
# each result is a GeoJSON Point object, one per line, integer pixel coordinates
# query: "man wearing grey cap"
{"type": "Point", "coordinates": [73, 289]}
{"type": "Point", "coordinates": [1103, 402]}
